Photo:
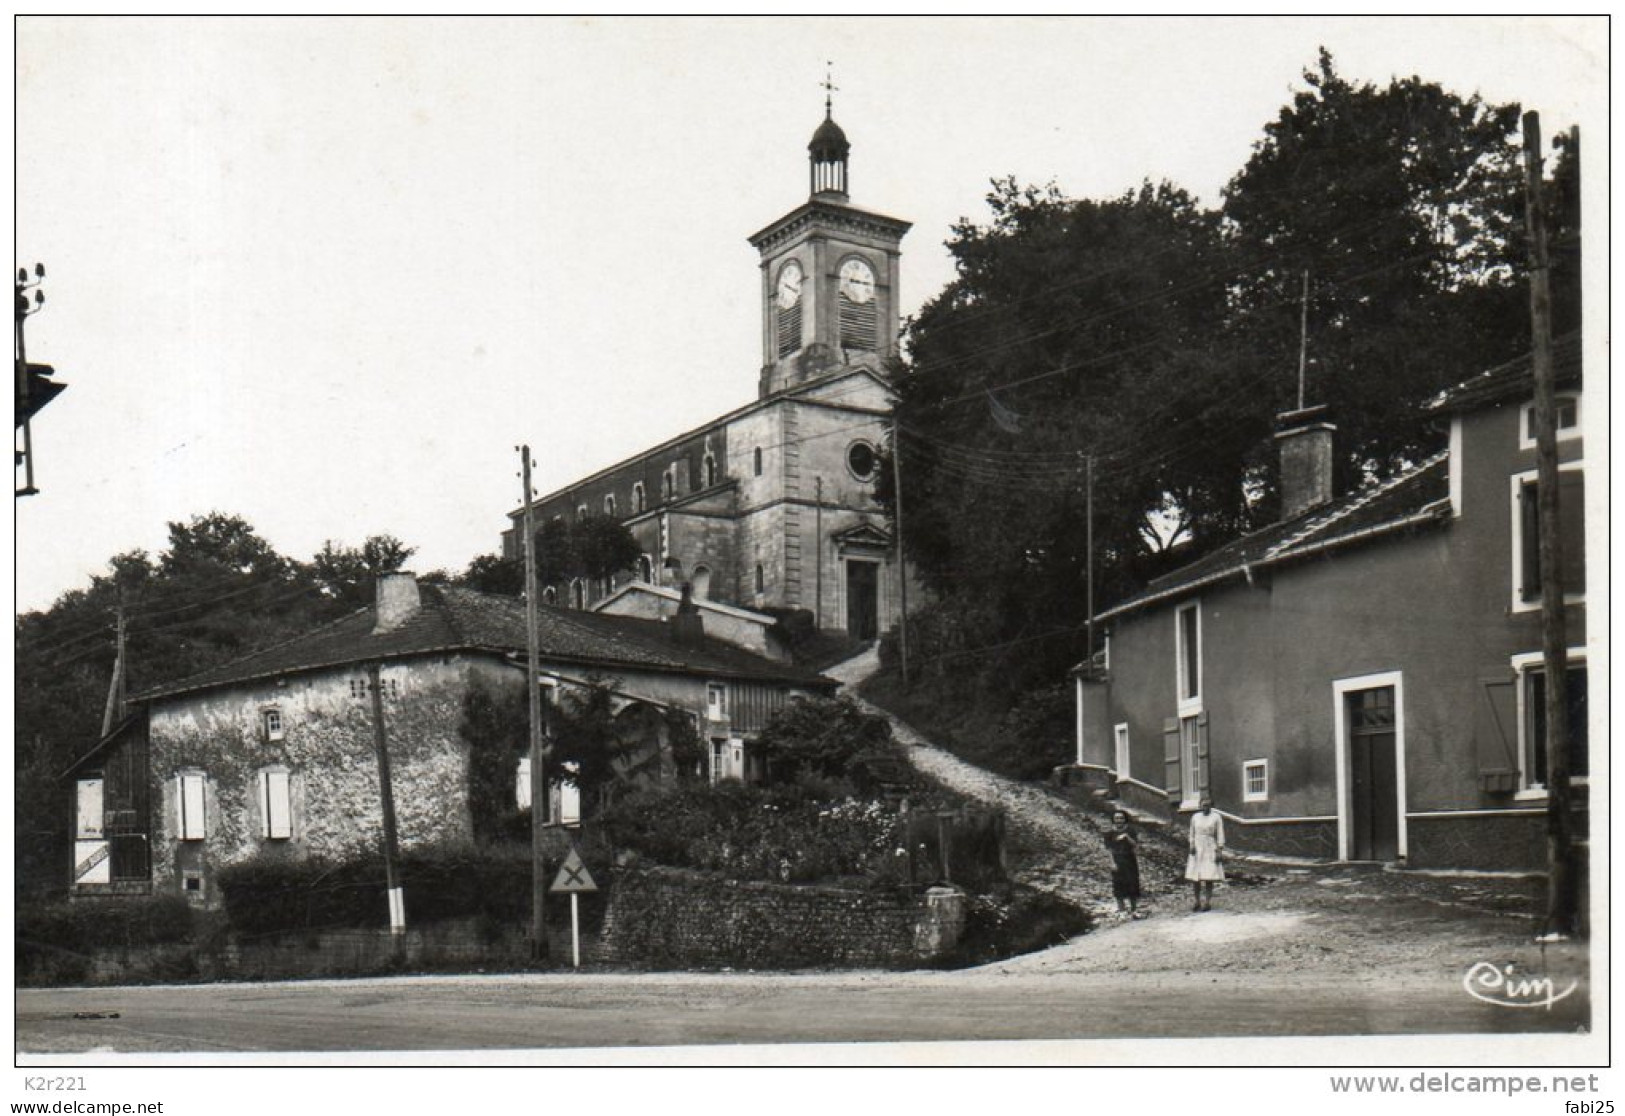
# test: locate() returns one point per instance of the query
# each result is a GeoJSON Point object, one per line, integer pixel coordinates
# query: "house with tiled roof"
{"type": "Point", "coordinates": [276, 753]}
{"type": "Point", "coordinates": [1362, 679]}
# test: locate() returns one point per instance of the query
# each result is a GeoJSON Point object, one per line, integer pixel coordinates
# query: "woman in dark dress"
{"type": "Point", "coordinates": [1125, 865]}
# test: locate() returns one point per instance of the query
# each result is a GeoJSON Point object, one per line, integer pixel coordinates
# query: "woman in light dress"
{"type": "Point", "coordinates": [1206, 862]}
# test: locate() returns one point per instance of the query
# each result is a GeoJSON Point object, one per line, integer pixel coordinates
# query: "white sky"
{"type": "Point", "coordinates": [327, 274]}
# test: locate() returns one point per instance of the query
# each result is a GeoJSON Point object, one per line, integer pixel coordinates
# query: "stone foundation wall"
{"type": "Point", "coordinates": [671, 918]}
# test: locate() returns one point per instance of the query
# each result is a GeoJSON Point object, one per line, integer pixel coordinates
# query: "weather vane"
{"type": "Point", "coordinates": [829, 86]}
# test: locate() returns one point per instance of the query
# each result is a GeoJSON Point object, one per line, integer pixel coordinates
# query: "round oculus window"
{"type": "Point", "coordinates": [862, 460]}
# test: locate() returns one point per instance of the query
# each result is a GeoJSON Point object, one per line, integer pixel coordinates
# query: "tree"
{"type": "Point", "coordinates": [1403, 204]}
{"type": "Point", "coordinates": [349, 574]}
{"type": "Point", "coordinates": [596, 750]}
{"type": "Point", "coordinates": [492, 573]}
{"type": "Point", "coordinates": [593, 547]}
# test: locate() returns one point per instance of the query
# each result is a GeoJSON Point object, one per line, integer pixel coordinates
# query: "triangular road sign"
{"type": "Point", "coordinates": [573, 875]}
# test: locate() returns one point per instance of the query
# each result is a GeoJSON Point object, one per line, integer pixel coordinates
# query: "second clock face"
{"type": "Point", "coordinates": [789, 288]}
{"type": "Point", "coordinates": [857, 280]}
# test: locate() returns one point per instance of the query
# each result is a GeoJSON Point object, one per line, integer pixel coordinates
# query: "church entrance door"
{"type": "Point", "coordinates": [862, 599]}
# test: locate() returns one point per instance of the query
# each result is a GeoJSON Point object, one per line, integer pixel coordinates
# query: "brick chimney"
{"type": "Point", "coordinates": [398, 601]}
{"type": "Point", "coordinates": [1305, 439]}
{"type": "Point", "coordinates": [688, 626]}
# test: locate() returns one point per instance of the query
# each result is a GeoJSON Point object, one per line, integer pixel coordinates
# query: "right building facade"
{"type": "Point", "coordinates": [1363, 679]}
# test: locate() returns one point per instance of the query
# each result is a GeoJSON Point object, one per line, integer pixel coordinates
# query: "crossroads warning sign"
{"type": "Point", "coordinates": [573, 875]}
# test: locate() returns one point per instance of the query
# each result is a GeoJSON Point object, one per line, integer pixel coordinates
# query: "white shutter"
{"type": "Point", "coordinates": [189, 798]}
{"type": "Point", "coordinates": [521, 786]}
{"type": "Point", "coordinates": [90, 808]}
{"type": "Point", "coordinates": [278, 808]}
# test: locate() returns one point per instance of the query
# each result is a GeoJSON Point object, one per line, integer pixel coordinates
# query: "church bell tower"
{"type": "Point", "coordinates": [829, 276]}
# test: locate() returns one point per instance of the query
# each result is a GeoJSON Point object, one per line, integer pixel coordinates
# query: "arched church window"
{"type": "Point", "coordinates": [667, 486]}
{"type": "Point", "coordinates": [609, 505]}
{"type": "Point", "coordinates": [702, 582]}
{"type": "Point", "coordinates": [638, 504]}
{"type": "Point", "coordinates": [710, 470]}
{"type": "Point", "coordinates": [646, 568]}
{"type": "Point", "coordinates": [550, 595]}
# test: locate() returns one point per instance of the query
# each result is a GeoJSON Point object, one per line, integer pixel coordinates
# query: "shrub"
{"type": "Point", "coordinates": [120, 922]}
{"type": "Point", "coordinates": [492, 883]}
{"type": "Point", "coordinates": [828, 737]}
{"type": "Point", "coordinates": [1014, 919]}
{"type": "Point", "coordinates": [1036, 734]}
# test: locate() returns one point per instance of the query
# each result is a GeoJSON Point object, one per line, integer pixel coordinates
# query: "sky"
{"type": "Point", "coordinates": [327, 274]}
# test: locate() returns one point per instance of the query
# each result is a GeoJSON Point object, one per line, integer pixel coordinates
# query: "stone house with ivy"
{"type": "Point", "coordinates": [276, 753]}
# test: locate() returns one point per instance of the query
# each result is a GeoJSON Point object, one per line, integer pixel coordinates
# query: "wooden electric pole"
{"type": "Point", "coordinates": [1089, 559]}
{"type": "Point", "coordinates": [818, 560]}
{"type": "Point", "coordinates": [386, 799]}
{"type": "Point", "coordinates": [113, 712]}
{"type": "Point", "coordinates": [902, 567]}
{"type": "Point", "coordinates": [533, 684]}
{"type": "Point", "coordinates": [1562, 892]}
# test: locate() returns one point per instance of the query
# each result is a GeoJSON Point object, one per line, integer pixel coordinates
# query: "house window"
{"type": "Point", "coordinates": [1188, 637]}
{"type": "Point", "coordinates": [1121, 749]}
{"type": "Point", "coordinates": [273, 724]}
{"type": "Point", "coordinates": [1255, 781]}
{"type": "Point", "coordinates": [189, 806]}
{"type": "Point", "coordinates": [1568, 421]}
{"type": "Point", "coordinates": [638, 502]}
{"type": "Point", "coordinates": [1532, 699]}
{"type": "Point", "coordinates": [276, 804]}
{"type": "Point", "coordinates": [716, 701]}
{"type": "Point", "coordinates": [1526, 536]}
{"type": "Point", "coordinates": [1192, 758]}
{"type": "Point", "coordinates": [756, 456]}
{"type": "Point", "coordinates": [609, 505]}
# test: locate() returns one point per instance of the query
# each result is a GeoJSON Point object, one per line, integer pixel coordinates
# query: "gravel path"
{"type": "Point", "coordinates": [1059, 847]}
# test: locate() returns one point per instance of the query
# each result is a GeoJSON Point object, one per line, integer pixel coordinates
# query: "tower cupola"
{"type": "Point", "coordinates": [827, 154]}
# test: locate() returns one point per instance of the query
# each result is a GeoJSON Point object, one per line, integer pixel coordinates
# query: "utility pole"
{"type": "Point", "coordinates": [1563, 891]}
{"type": "Point", "coordinates": [818, 561]}
{"type": "Point", "coordinates": [114, 710]}
{"type": "Point", "coordinates": [1089, 560]}
{"type": "Point", "coordinates": [1303, 338]}
{"type": "Point", "coordinates": [533, 683]}
{"type": "Point", "coordinates": [902, 567]}
{"type": "Point", "coordinates": [386, 798]}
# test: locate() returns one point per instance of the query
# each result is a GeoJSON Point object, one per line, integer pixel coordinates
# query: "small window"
{"type": "Point", "coordinates": [638, 500]}
{"type": "Point", "coordinates": [276, 805]}
{"type": "Point", "coordinates": [861, 460]}
{"type": "Point", "coordinates": [668, 486]}
{"type": "Point", "coordinates": [710, 470]}
{"type": "Point", "coordinates": [761, 582]}
{"type": "Point", "coordinates": [609, 505]}
{"type": "Point", "coordinates": [1121, 750]}
{"type": "Point", "coordinates": [1568, 421]}
{"type": "Point", "coordinates": [192, 825]}
{"type": "Point", "coordinates": [646, 568]}
{"type": "Point", "coordinates": [550, 595]}
{"type": "Point", "coordinates": [581, 511]}
{"type": "Point", "coordinates": [1255, 781]}
{"type": "Point", "coordinates": [273, 724]}
{"type": "Point", "coordinates": [756, 456]}
{"type": "Point", "coordinates": [716, 701]}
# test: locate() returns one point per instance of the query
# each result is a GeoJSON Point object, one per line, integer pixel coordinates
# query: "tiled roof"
{"type": "Point", "coordinates": [1513, 380]}
{"type": "Point", "coordinates": [1416, 497]}
{"type": "Point", "coordinates": [457, 619]}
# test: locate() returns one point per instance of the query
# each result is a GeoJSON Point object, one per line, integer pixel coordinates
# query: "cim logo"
{"type": "Point", "coordinates": [1505, 987]}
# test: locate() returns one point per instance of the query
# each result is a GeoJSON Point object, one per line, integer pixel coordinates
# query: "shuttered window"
{"type": "Point", "coordinates": [189, 806]}
{"type": "Point", "coordinates": [1535, 725]}
{"type": "Point", "coordinates": [276, 804]}
{"type": "Point", "coordinates": [789, 329]}
{"type": "Point", "coordinates": [1571, 533]}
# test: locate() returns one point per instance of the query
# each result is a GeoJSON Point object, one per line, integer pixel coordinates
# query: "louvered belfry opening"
{"type": "Point", "coordinates": [859, 324]}
{"type": "Point", "coordinates": [789, 327]}
{"type": "Point", "coordinates": [829, 177]}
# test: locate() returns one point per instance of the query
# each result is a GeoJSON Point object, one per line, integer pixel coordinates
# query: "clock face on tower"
{"type": "Point", "coordinates": [788, 292]}
{"type": "Point", "coordinates": [857, 281]}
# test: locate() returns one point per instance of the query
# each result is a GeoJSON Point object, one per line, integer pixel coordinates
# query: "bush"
{"type": "Point", "coordinates": [785, 833]}
{"type": "Point", "coordinates": [121, 922]}
{"type": "Point", "coordinates": [1036, 734]}
{"type": "Point", "coordinates": [266, 896]}
{"type": "Point", "coordinates": [826, 737]}
{"type": "Point", "coordinates": [1011, 920]}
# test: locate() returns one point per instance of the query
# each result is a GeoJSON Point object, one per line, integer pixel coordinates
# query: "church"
{"type": "Point", "coordinates": [771, 507]}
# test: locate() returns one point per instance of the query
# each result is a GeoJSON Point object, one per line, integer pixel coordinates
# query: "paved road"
{"type": "Point", "coordinates": [611, 1010]}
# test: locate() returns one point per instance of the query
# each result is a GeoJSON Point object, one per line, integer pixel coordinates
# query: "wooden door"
{"type": "Point", "coordinates": [1374, 774]}
{"type": "Point", "coordinates": [862, 599]}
